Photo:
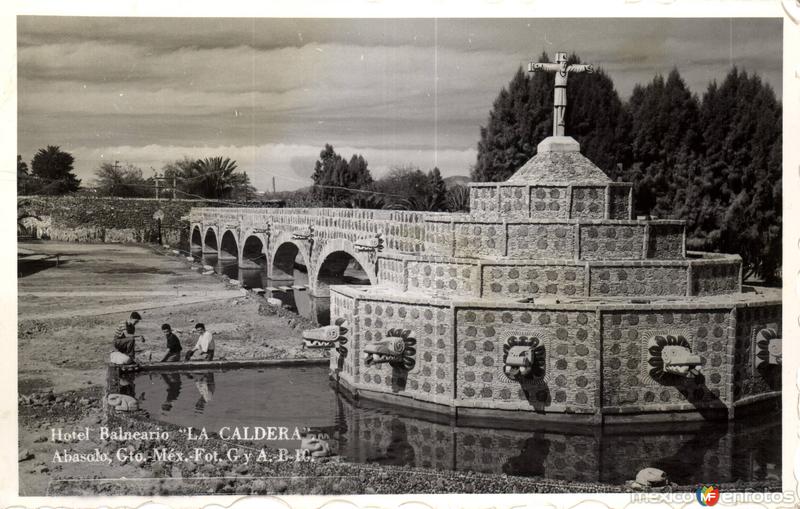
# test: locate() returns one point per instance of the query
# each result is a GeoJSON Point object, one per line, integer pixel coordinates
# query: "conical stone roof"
{"type": "Point", "coordinates": [559, 161]}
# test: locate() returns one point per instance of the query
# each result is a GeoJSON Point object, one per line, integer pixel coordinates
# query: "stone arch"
{"type": "Point", "coordinates": [339, 263]}
{"type": "Point", "coordinates": [210, 244]}
{"type": "Point", "coordinates": [288, 262]}
{"type": "Point", "coordinates": [196, 239]}
{"type": "Point", "coordinates": [228, 247]}
{"type": "Point", "coordinates": [254, 252]}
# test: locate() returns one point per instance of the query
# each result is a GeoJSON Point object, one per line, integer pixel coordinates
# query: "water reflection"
{"type": "Point", "coordinates": [174, 385]}
{"type": "Point", "coordinates": [367, 432]}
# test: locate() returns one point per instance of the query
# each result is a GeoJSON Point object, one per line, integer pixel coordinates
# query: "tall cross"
{"type": "Point", "coordinates": [562, 70]}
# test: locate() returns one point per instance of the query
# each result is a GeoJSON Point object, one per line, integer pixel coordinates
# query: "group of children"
{"type": "Point", "coordinates": [125, 341]}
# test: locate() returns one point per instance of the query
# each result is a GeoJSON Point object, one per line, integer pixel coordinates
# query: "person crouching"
{"type": "Point", "coordinates": [125, 338]}
{"type": "Point", "coordinates": [173, 344]}
{"type": "Point", "coordinates": [205, 344]}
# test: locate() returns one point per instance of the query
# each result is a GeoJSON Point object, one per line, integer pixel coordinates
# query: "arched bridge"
{"type": "Point", "coordinates": [320, 243]}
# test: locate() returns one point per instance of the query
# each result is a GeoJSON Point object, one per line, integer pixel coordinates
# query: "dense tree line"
{"type": "Point", "coordinates": [338, 183]}
{"type": "Point", "coordinates": [51, 173]}
{"type": "Point", "coordinates": [714, 161]}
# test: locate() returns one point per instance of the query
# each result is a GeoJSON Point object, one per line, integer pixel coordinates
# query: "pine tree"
{"type": "Point", "coordinates": [437, 189]}
{"type": "Point", "coordinates": [522, 116]}
{"type": "Point", "coordinates": [333, 176]}
{"type": "Point", "coordinates": [359, 176]}
{"type": "Point", "coordinates": [741, 174]}
{"type": "Point", "coordinates": [664, 140]}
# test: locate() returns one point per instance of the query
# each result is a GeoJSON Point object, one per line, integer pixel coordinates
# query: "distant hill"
{"type": "Point", "coordinates": [456, 180]}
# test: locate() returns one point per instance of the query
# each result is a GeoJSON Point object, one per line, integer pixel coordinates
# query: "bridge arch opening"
{"type": "Point", "coordinates": [196, 241]}
{"type": "Point", "coordinates": [338, 268]}
{"type": "Point", "coordinates": [253, 253]}
{"type": "Point", "coordinates": [253, 265]}
{"type": "Point", "coordinates": [289, 266]}
{"type": "Point", "coordinates": [228, 248]}
{"type": "Point", "coordinates": [210, 241]}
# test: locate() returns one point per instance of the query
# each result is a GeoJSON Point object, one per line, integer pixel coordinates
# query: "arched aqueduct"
{"type": "Point", "coordinates": [323, 242]}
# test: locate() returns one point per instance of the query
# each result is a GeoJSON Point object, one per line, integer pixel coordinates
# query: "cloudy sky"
{"type": "Point", "coordinates": [270, 93]}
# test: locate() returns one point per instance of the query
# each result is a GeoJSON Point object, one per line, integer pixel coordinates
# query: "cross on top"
{"type": "Point", "coordinates": [562, 70]}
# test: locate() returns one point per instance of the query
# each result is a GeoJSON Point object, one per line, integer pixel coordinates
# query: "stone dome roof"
{"type": "Point", "coordinates": [558, 161]}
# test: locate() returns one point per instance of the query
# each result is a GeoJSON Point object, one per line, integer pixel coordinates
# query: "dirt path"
{"type": "Point", "coordinates": [139, 306]}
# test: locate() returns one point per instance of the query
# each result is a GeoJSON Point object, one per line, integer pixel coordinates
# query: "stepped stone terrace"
{"type": "Point", "coordinates": [548, 301]}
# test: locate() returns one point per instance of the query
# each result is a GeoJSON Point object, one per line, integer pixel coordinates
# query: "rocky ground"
{"type": "Point", "coordinates": [61, 359]}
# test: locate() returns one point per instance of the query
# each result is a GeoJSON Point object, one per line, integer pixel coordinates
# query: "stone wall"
{"type": "Point", "coordinates": [515, 201]}
{"type": "Point", "coordinates": [97, 219]}
{"type": "Point", "coordinates": [749, 379]}
{"type": "Point", "coordinates": [505, 279]}
{"type": "Point", "coordinates": [596, 357]}
{"type": "Point", "coordinates": [628, 385]}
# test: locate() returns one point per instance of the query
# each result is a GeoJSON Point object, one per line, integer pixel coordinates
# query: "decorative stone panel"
{"type": "Point", "coordinates": [541, 241]}
{"type": "Point", "coordinates": [479, 239]}
{"type": "Point", "coordinates": [483, 201]}
{"type": "Point", "coordinates": [439, 237]}
{"type": "Point", "coordinates": [665, 241]}
{"type": "Point", "coordinates": [343, 306]}
{"type": "Point", "coordinates": [747, 380]}
{"type": "Point", "coordinates": [431, 377]}
{"type": "Point", "coordinates": [391, 273]}
{"type": "Point", "coordinates": [625, 383]}
{"type": "Point", "coordinates": [715, 278]}
{"type": "Point", "coordinates": [570, 380]}
{"type": "Point", "coordinates": [442, 278]}
{"type": "Point", "coordinates": [514, 202]}
{"type": "Point", "coordinates": [549, 202]}
{"type": "Point", "coordinates": [619, 206]}
{"type": "Point", "coordinates": [612, 281]}
{"type": "Point", "coordinates": [611, 241]}
{"type": "Point", "coordinates": [588, 202]}
{"type": "Point", "coordinates": [521, 281]}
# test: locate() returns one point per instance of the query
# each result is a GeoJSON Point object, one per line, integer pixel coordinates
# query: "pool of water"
{"type": "Point", "coordinates": [251, 275]}
{"type": "Point", "coordinates": [371, 433]}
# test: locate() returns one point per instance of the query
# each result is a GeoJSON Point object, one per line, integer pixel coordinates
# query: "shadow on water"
{"type": "Point", "coordinates": [367, 432]}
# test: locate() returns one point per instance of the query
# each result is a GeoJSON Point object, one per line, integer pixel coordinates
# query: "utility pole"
{"type": "Point", "coordinates": [273, 184]}
{"type": "Point", "coordinates": [173, 188]}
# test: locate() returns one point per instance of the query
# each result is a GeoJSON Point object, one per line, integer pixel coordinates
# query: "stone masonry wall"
{"type": "Point", "coordinates": [97, 219]}
{"type": "Point", "coordinates": [431, 326]}
{"type": "Point", "coordinates": [569, 383]}
{"type": "Point", "coordinates": [627, 336]}
{"type": "Point", "coordinates": [748, 380]}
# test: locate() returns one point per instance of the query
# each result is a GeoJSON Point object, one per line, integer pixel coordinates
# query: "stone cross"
{"type": "Point", "coordinates": [562, 70]}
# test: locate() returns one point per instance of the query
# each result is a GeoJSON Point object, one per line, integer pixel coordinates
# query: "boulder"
{"type": "Point", "coordinates": [122, 402]}
{"type": "Point", "coordinates": [651, 477]}
{"type": "Point", "coordinates": [119, 358]}
{"type": "Point", "coordinates": [272, 301]}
